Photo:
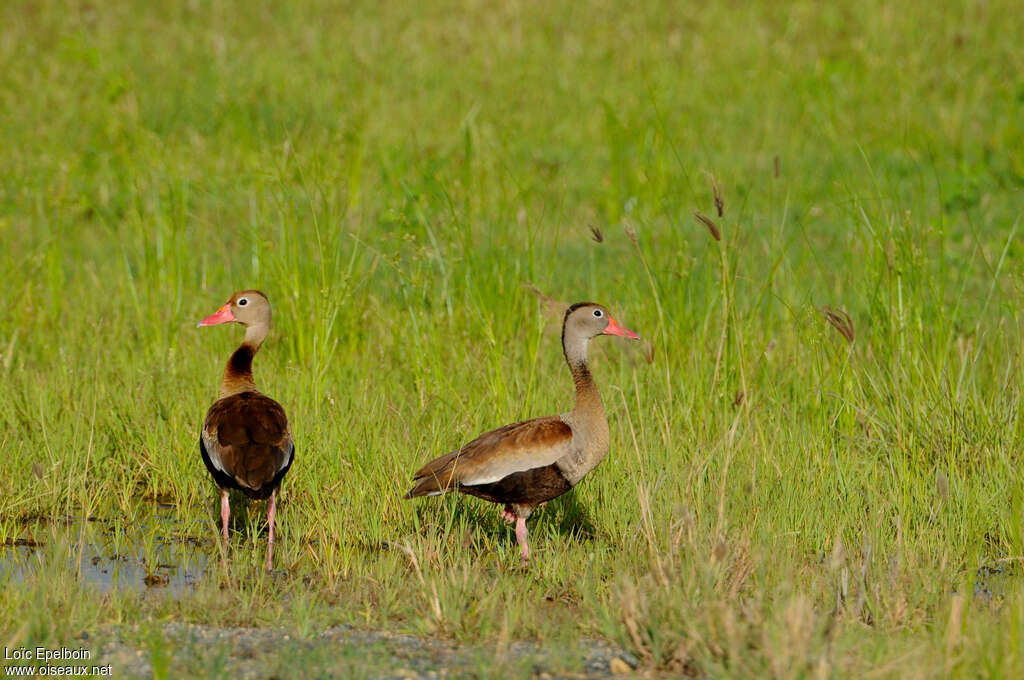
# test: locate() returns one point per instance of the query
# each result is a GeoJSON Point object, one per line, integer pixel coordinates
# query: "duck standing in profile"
{"type": "Point", "coordinates": [525, 464]}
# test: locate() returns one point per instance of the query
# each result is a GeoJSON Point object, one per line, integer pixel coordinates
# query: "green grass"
{"type": "Point", "coordinates": [777, 501]}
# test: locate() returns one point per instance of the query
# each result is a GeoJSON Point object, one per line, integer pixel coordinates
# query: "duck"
{"type": "Point", "coordinates": [246, 442]}
{"type": "Point", "coordinates": [522, 465]}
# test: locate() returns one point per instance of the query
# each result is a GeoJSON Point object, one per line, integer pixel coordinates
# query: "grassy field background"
{"type": "Point", "coordinates": [402, 180]}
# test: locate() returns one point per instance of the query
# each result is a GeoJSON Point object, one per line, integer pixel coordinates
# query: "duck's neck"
{"type": "Point", "coordinates": [238, 372]}
{"type": "Point", "coordinates": [587, 419]}
{"type": "Point", "coordinates": [588, 399]}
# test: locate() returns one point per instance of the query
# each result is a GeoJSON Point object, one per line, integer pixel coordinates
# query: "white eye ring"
{"type": "Point", "coordinates": [242, 302]}
{"type": "Point", "coordinates": [598, 313]}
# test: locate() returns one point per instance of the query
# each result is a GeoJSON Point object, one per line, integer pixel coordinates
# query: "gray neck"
{"type": "Point", "coordinates": [256, 334]}
{"type": "Point", "coordinates": [587, 419]}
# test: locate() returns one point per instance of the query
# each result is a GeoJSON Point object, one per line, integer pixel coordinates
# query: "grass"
{"type": "Point", "coordinates": [778, 501]}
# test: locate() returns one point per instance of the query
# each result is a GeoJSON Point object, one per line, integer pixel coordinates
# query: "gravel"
{"type": "Point", "coordinates": [189, 650]}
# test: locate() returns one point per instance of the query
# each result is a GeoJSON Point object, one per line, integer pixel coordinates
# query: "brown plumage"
{"type": "Point", "coordinates": [493, 455]}
{"type": "Point", "coordinates": [246, 443]}
{"type": "Point", "coordinates": [525, 464]}
{"type": "Point", "coordinates": [247, 434]}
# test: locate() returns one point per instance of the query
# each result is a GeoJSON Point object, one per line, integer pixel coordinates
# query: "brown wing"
{"type": "Point", "coordinates": [246, 441]}
{"type": "Point", "coordinates": [495, 455]}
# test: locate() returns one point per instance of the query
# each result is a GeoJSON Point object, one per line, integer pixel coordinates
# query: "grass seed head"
{"type": "Point", "coordinates": [551, 307]}
{"type": "Point", "coordinates": [717, 193]}
{"type": "Point", "coordinates": [710, 224]}
{"type": "Point", "coordinates": [630, 232]}
{"type": "Point", "coordinates": [648, 349]}
{"type": "Point", "coordinates": [841, 321]}
{"type": "Point", "coordinates": [596, 234]}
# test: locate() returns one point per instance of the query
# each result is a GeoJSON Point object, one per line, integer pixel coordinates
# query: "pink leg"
{"type": "Point", "coordinates": [271, 513]}
{"type": "Point", "coordinates": [225, 513]}
{"type": "Point", "coordinates": [524, 554]}
{"type": "Point", "coordinates": [508, 515]}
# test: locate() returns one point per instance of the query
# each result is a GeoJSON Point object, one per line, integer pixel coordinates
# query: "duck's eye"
{"type": "Point", "coordinates": [242, 302]}
{"type": "Point", "coordinates": [598, 313]}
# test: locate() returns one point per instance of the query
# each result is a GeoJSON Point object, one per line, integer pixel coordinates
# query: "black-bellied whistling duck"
{"type": "Point", "coordinates": [245, 442]}
{"type": "Point", "coordinates": [525, 464]}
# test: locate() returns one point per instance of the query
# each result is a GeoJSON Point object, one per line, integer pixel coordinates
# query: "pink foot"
{"type": "Point", "coordinates": [508, 515]}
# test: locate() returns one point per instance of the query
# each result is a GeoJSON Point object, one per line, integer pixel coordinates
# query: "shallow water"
{"type": "Point", "coordinates": [153, 554]}
{"type": "Point", "coordinates": [995, 581]}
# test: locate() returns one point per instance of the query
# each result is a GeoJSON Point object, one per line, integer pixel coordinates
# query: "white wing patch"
{"type": "Point", "coordinates": [290, 456]}
{"type": "Point", "coordinates": [508, 463]}
{"type": "Point", "coordinates": [210, 444]}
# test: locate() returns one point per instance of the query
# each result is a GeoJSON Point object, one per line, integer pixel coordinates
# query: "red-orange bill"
{"type": "Point", "coordinates": [615, 329]}
{"type": "Point", "coordinates": [222, 315]}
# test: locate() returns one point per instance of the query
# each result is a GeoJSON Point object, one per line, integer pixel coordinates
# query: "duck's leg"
{"type": "Point", "coordinates": [508, 514]}
{"type": "Point", "coordinates": [225, 513]}
{"type": "Point", "coordinates": [271, 513]}
{"type": "Point", "coordinates": [524, 553]}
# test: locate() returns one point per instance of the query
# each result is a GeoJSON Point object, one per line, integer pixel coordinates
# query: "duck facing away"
{"type": "Point", "coordinates": [525, 464]}
{"type": "Point", "coordinates": [246, 442]}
